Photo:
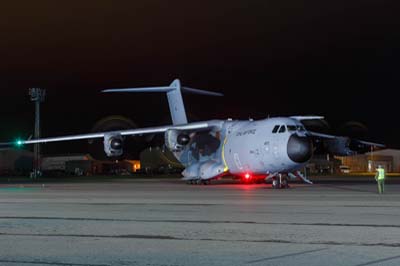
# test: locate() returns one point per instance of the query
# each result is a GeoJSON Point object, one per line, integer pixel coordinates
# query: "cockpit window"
{"type": "Point", "coordinates": [282, 129]}
{"type": "Point", "coordinates": [291, 128]}
{"type": "Point", "coordinates": [275, 129]}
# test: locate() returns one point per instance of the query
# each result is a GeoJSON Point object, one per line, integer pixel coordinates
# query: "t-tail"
{"type": "Point", "coordinates": [175, 101]}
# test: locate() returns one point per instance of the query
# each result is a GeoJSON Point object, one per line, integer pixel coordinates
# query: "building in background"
{"type": "Point", "coordinates": [19, 162]}
{"type": "Point", "coordinates": [323, 164]}
{"type": "Point", "coordinates": [84, 164]}
{"type": "Point", "coordinates": [57, 163]}
{"type": "Point", "coordinates": [15, 162]}
{"type": "Point", "coordinates": [388, 158]}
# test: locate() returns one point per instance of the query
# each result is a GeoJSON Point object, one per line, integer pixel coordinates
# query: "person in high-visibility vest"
{"type": "Point", "coordinates": [380, 179]}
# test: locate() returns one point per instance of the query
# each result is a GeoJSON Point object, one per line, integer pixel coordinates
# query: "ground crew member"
{"type": "Point", "coordinates": [380, 179]}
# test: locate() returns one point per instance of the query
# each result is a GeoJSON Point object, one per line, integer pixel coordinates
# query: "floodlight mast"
{"type": "Point", "coordinates": [37, 96]}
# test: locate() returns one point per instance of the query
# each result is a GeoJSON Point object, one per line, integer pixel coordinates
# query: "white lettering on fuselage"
{"type": "Point", "coordinates": [246, 132]}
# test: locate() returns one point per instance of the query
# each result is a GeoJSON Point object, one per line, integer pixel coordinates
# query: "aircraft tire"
{"type": "Point", "coordinates": [284, 183]}
{"type": "Point", "coordinates": [276, 184]}
{"type": "Point", "coordinates": [206, 182]}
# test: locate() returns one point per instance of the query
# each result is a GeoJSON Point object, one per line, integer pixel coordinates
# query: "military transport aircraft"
{"type": "Point", "coordinates": [273, 148]}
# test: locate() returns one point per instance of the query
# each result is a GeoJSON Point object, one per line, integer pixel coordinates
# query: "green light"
{"type": "Point", "coordinates": [19, 143]}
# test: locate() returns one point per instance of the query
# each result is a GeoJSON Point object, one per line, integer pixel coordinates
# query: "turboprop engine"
{"type": "Point", "coordinates": [183, 139]}
{"type": "Point", "coordinates": [113, 145]}
{"type": "Point", "coordinates": [175, 140]}
{"type": "Point", "coordinates": [132, 145]}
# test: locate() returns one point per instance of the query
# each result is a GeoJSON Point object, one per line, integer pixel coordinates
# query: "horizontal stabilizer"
{"type": "Point", "coordinates": [165, 89]}
{"type": "Point", "coordinates": [175, 100]}
{"type": "Point", "coordinates": [145, 89]}
{"type": "Point", "coordinates": [201, 92]}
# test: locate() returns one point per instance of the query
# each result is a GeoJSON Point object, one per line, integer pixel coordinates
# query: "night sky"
{"type": "Point", "coordinates": [339, 59]}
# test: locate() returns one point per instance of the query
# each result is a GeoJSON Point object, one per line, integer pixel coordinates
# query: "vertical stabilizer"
{"type": "Point", "coordinates": [176, 106]}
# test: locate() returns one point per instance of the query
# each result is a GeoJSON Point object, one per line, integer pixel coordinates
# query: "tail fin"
{"type": "Point", "coordinates": [174, 96]}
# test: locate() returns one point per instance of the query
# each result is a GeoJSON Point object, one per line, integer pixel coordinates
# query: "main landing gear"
{"type": "Point", "coordinates": [198, 182]}
{"type": "Point", "coordinates": [280, 181]}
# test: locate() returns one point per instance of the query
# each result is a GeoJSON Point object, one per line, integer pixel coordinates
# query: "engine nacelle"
{"type": "Point", "coordinates": [339, 146]}
{"type": "Point", "coordinates": [183, 139]}
{"type": "Point", "coordinates": [113, 144]}
{"type": "Point", "coordinates": [359, 147]}
{"type": "Point", "coordinates": [175, 140]}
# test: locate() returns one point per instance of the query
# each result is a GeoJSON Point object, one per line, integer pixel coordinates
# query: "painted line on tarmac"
{"type": "Point", "coordinates": [115, 204]}
{"type": "Point", "coordinates": [50, 263]}
{"type": "Point", "coordinates": [19, 189]}
{"type": "Point", "coordinates": [195, 221]}
{"type": "Point", "coordinates": [378, 261]}
{"type": "Point", "coordinates": [165, 237]}
{"type": "Point", "coordinates": [286, 255]}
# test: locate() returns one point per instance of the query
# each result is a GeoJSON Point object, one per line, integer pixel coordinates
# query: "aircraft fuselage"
{"type": "Point", "coordinates": [262, 147]}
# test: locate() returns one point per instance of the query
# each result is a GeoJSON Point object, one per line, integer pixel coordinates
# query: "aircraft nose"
{"type": "Point", "coordinates": [299, 149]}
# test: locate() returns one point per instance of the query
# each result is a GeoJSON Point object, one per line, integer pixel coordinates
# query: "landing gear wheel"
{"type": "Point", "coordinates": [276, 184]}
{"type": "Point", "coordinates": [206, 182]}
{"type": "Point", "coordinates": [284, 183]}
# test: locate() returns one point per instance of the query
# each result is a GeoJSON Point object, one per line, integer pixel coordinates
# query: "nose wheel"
{"type": "Point", "coordinates": [280, 181]}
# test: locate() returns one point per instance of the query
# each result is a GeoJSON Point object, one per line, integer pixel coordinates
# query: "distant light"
{"type": "Point", "coordinates": [247, 176]}
{"type": "Point", "coordinates": [19, 142]}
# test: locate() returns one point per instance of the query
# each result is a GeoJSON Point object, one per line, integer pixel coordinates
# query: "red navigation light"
{"type": "Point", "coordinates": [247, 176]}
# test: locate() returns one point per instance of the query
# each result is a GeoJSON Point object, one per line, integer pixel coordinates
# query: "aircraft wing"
{"type": "Point", "coordinates": [373, 144]}
{"type": "Point", "coordinates": [341, 145]}
{"type": "Point", "coordinates": [307, 117]}
{"type": "Point", "coordinates": [321, 135]}
{"type": "Point", "coordinates": [5, 145]}
{"type": "Point", "coordinates": [130, 132]}
{"type": "Point", "coordinates": [332, 137]}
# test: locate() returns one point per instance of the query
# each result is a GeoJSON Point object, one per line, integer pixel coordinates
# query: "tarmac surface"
{"type": "Point", "coordinates": [166, 222]}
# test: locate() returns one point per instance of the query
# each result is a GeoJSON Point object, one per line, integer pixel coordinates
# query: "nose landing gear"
{"type": "Point", "coordinates": [280, 181]}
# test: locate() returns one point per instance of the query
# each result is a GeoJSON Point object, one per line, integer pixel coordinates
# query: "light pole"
{"type": "Point", "coordinates": [37, 96]}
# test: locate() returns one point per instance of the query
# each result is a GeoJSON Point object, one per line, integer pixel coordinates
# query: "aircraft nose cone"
{"type": "Point", "coordinates": [299, 149]}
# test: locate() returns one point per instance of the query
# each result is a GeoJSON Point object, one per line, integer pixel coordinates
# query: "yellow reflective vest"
{"type": "Point", "coordinates": [380, 174]}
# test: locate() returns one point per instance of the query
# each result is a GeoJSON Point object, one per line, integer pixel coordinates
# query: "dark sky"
{"type": "Point", "coordinates": [339, 59]}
